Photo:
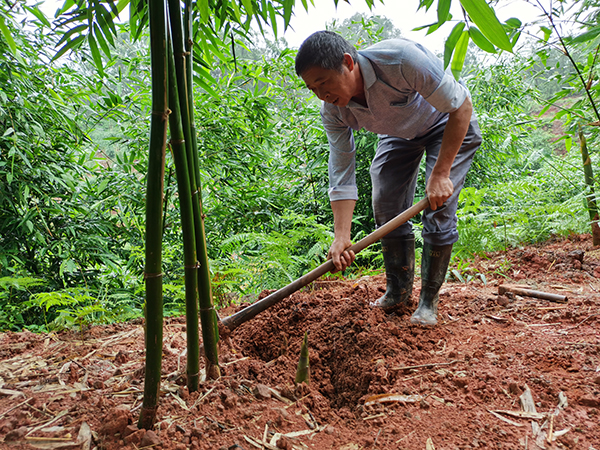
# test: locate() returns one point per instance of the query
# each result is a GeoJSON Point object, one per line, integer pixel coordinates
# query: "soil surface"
{"type": "Point", "coordinates": [497, 372]}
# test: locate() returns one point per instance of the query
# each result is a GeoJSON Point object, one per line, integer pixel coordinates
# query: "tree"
{"type": "Point", "coordinates": [364, 30]}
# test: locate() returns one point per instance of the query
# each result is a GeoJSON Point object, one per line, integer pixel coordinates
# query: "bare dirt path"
{"type": "Point", "coordinates": [377, 382]}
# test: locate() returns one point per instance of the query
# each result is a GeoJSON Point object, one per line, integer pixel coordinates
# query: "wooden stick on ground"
{"type": "Point", "coordinates": [557, 298]}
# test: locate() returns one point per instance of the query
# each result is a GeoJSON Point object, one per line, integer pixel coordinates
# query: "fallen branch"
{"type": "Point", "coordinates": [14, 407]}
{"type": "Point", "coordinates": [507, 289]}
{"type": "Point", "coordinates": [422, 366]}
{"type": "Point", "coordinates": [522, 414]}
{"type": "Point", "coordinates": [391, 398]}
{"type": "Point", "coordinates": [512, 422]}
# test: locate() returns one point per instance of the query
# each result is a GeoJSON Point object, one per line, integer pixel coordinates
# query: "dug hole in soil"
{"type": "Point", "coordinates": [498, 371]}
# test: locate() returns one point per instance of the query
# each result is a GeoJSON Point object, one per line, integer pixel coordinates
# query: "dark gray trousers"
{"type": "Point", "coordinates": [394, 173]}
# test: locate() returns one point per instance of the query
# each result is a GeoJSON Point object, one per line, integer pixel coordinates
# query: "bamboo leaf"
{"type": "Point", "coordinates": [38, 14]}
{"type": "Point", "coordinates": [236, 11]}
{"type": "Point", "coordinates": [248, 7]}
{"type": "Point", "coordinates": [77, 30]}
{"type": "Point", "coordinates": [288, 6]}
{"type": "Point", "coordinates": [107, 26]}
{"type": "Point", "coordinates": [432, 28]}
{"type": "Point", "coordinates": [9, 39]}
{"type": "Point", "coordinates": [273, 18]}
{"type": "Point", "coordinates": [95, 52]}
{"type": "Point", "coordinates": [443, 10]}
{"type": "Point", "coordinates": [513, 22]}
{"type": "Point", "coordinates": [122, 4]}
{"type": "Point", "coordinates": [450, 44]}
{"type": "Point", "coordinates": [485, 18]}
{"type": "Point", "coordinates": [101, 40]}
{"type": "Point", "coordinates": [460, 52]}
{"type": "Point", "coordinates": [204, 10]}
{"type": "Point", "coordinates": [588, 35]}
{"type": "Point", "coordinates": [71, 45]}
{"type": "Point", "coordinates": [201, 81]}
{"type": "Point", "coordinates": [480, 40]}
{"type": "Point", "coordinates": [68, 4]}
{"type": "Point", "coordinates": [425, 4]}
{"type": "Point", "coordinates": [547, 32]}
{"type": "Point", "coordinates": [422, 27]}
{"type": "Point", "coordinates": [515, 38]}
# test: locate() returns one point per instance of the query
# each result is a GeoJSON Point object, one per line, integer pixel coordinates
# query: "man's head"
{"type": "Point", "coordinates": [323, 49]}
{"type": "Point", "coordinates": [327, 64]}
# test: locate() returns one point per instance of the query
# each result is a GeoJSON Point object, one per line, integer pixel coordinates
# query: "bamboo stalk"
{"type": "Point", "coordinates": [193, 334]}
{"type": "Point", "coordinates": [208, 314]}
{"type": "Point", "coordinates": [590, 197]}
{"type": "Point", "coordinates": [178, 144]}
{"type": "Point", "coordinates": [154, 193]}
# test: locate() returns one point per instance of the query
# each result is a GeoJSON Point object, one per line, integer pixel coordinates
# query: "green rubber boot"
{"type": "Point", "coordinates": [433, 273]}
{"type": "Point", "coordinates": [399, 259]}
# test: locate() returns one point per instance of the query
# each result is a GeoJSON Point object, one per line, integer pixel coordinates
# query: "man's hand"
{"type": "Point", "coordinates": [341, 257]}
{"type": "Point", "coordinates": [342, 224]}
{"type": "Point", "coordinates": [439, 186]}
{"type": "Point", "coordinates": [438, 189]}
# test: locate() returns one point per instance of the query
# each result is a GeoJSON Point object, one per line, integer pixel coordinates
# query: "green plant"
{"type": "Point", "coordinates": [14, 292]}
{"type": "Point", "coordinates": [67, 308]}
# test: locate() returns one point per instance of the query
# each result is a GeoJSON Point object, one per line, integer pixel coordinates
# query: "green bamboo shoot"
{"type": "Point", "coordinates": [303, 371]}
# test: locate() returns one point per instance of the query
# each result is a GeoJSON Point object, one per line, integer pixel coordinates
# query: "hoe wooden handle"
{"type": "Point", "coordinates": [235, 320]}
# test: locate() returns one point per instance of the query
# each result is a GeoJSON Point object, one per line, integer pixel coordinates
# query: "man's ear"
{"type": "Point", "coordinates": [349, 61]}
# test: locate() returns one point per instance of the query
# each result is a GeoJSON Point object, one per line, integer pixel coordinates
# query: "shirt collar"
{"type": "Point", "coordinates": [366, 69]}
{"type": "Point", "coordinates": [368, 76]}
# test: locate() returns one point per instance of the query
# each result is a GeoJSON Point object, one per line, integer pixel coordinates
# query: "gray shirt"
{"type": "Point", "coordinates": [407, 92]}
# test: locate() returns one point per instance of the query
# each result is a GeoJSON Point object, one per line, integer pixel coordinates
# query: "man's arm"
{"type": "Point", "coordinates": [342, 225]}
{"type": "Point", "coordinates": [439, 187]}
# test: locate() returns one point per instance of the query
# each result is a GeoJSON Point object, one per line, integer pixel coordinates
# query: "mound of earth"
{"type": "Point", "coordinates": [498, 371]}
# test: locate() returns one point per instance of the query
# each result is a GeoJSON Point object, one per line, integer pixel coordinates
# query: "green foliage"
{"type": "Point", "coordinates": [525, 210]}
{"type": "Point", "coordinates": [65, 213]}
{"type": "Point", "coordinates": [73, 165]}
{"type": "Point", "coordinates": [363, 30]}
{"type": "Point", "coordinates": [502, 98]}
{"type": "Point", "coordinates": [66, 308]}
{"type": "Point", "coordinates": [257, 261]}
{"type": "Point", "coordinates": [14, 291]}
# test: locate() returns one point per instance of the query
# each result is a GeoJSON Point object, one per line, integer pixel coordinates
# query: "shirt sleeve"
{"type": "Point", "coordinates": [424, 72]}
{"type": "Point", "coordinates": [342, 157]}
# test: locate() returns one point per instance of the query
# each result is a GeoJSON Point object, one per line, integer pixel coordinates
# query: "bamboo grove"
{"type": "Point", "coordinates": [185, 39]}
{"type": "Point", "coordinates": [171, 101]}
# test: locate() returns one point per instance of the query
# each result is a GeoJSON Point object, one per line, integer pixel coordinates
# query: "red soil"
{"type": "Point", "coordinates": [449, 381]}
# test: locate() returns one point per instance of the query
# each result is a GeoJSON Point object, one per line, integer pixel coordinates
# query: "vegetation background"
{"type": "Point", "coordinates": [74, 144]}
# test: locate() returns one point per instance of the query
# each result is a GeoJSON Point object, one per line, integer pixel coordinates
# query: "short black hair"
{"type": "Point", "coordinates": [324, 49]}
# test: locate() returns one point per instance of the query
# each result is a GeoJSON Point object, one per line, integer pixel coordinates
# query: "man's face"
{"type": "Point", "coordinates": [333, 86]}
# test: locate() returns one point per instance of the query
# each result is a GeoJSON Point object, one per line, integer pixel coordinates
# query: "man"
{"type": "Point", "coordinates": [398, 89]}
